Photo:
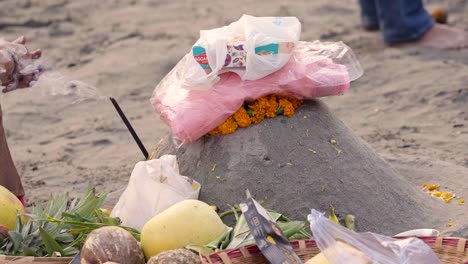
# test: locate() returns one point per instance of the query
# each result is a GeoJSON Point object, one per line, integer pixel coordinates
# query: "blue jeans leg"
{"type": "Point", "coordinates": [369, 17]}
{"type": "Point", "coordinates": [403, 20]}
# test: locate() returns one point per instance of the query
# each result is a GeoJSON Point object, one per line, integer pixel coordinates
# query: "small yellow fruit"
{"type": "Point", "coordinates": [189, 222]}
{"type": "Point", "coordinates": [358, 256]}
{"type": "Point", "coordinates": [9, 207]}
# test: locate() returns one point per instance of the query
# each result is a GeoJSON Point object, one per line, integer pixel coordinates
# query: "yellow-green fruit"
{"type": "Point", "coordinates": [190, 222]}
{"type": "Point", "coordinates": [9, 207]}
{"type": "Point", "coordinates": [358, 256]}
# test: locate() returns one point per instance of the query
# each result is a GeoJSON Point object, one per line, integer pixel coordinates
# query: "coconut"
{"type": "Point", "coordinates": [111, 244]}
{"type": "Point", "coordinates": [176, 256]}
{"type": "Point", "coordinates": [10, 206]}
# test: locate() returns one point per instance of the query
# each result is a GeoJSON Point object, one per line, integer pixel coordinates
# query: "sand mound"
{"type": "Point", "coordinates": [308, 161]}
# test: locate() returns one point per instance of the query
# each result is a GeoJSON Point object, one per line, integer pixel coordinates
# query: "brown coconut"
{"type": "Point", "coordinates": [111, 244]}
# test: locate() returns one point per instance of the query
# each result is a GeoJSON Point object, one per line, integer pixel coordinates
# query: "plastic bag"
{"type": "Point", "coordinates": [153, 186]}
{"type": "Point", "coordinates": [252, 47]}
{"type": "Point", "coordinates": [315, 69]}
{"type": "Point", "coordinates": [376, 249]}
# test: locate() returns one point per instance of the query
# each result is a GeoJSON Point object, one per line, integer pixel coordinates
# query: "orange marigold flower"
{"type": "Point", "coordinates": [432, 187]}
{"type": "Point", "coordinates": [271, 106]}
{"type": "Point", "coordinates": [258, 116]}
{"type": "Point", "coordinates": [258, 108]}
{"type": "Point", "coordinates": [228, 127]}
{"type": "Point", "coordinates": [214, 131]}
{"type": "Point", "coordinates": [287, 106]}
{"type": "Point", "coordinates": [294, 101]}
{"type": "Point", "coordinates": [242, 118]}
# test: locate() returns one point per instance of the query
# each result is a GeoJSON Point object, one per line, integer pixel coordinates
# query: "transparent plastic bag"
{"type": "Point", "coordinates": [315, 69]}
{"type": "Point", "coordinates": [368, 247]}
{"type": "Point", "coordinates": [153, 186]}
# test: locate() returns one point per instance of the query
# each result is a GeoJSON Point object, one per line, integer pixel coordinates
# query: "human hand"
{"type": "Point", "coordinates": [18, 66]}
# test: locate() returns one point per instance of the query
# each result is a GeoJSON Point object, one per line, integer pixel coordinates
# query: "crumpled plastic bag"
{"type": "Point", "coordinates": [375, 249]}
{"type": "Point", "coordinates": [252, 47]}
{"type": "Point", "coordinates": [154, 186]}
{"type": "Point", "coordinates": [315, 69]}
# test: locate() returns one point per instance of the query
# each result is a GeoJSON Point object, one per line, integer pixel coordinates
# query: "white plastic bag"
{"type": "Point", "coordinates": [153, 186]}
{"type": "Point", "coordinates": [375, 249]}
{"type": "Point", "coordinates": [252, 47]}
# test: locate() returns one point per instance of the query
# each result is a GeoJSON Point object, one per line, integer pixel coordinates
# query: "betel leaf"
{"type": "Point", "coordinates": [50, 244]}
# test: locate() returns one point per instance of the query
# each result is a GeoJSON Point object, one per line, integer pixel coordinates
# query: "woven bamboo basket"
{"type": "Point", "coordinates": [36, 260]}
{"type": "Point", "coordinates": [450, 250]}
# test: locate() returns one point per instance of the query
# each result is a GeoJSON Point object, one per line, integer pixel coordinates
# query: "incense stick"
{"type": "Point", "coordinates": [129, 127]}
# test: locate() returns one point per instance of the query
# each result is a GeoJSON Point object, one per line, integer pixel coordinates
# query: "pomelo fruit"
{"type": "Point", "coordinates": [189, 222]}
{"type": "Point", "coordinates": [10, 205]}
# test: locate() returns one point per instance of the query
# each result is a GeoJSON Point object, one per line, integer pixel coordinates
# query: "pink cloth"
{"type": "Point", "coordinates": [200, 111]}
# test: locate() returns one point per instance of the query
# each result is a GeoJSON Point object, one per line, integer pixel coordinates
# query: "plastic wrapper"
{"type": "Point", "coordinates": [371, 248]}
{"type": "Point", "coordinates": [315, 69]}
{"type": "Point", "coordinates": [252, 47]}
{"type": "Point", "coordinates": [154, 186]}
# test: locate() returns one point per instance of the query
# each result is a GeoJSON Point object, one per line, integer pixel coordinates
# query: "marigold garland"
{"type": "Point", "coordinates": [254, 112]}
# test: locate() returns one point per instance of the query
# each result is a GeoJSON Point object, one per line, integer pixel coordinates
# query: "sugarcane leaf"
{"type": "Point", "coordinates": [49, 242]}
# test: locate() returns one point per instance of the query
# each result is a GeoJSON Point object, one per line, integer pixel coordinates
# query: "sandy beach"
{"type": "Point", "coordinates": [411, 104]}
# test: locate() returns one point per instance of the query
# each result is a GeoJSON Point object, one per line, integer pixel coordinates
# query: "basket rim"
{"type": "Point", "coordinates": [454, 243]}
{"type": "Point", "coordinates": [6, 257]}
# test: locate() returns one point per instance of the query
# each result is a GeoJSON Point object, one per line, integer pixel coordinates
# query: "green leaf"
{"type": "Point", "coordinates": [201, 250]}
{"type": "Point", "coordinates": [291, 228]}
{"type": "Point", "coordinates": [241, 234]}
{"type": "Point", "coordinates": [49, 242]}
{"type": "Point", "coordinates": [221, 241]}
{"type": "Point", "coordinates": [279, 110]}
{"type": "Point", "coordinates": [70, 251]}
{"type": "Point", "coordinates": [350, 222]}
{"type": "Point", "coordinates": [64, 238]}
{"type": "Point", "coordinates": [27, 251]}
{"type": "Point", "coordinates": [16, 239]}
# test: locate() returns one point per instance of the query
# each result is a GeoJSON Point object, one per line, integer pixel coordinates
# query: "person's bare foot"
{"type": "Point", "coordinates": [442, 37]}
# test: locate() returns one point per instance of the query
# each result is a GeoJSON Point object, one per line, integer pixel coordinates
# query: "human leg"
{"type": "Point", "coordinates": [9, 177]}
{"type": "Point", "coordinates": [407, 22]}
{"type": "Point", "coordinates": [369, 17]}
{"type": "Point", "coordinates": [403, 20]}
